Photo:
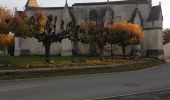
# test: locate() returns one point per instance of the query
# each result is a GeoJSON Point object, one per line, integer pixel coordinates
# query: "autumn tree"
{"type": "Point", "coordinates": [5, 16]}
{"type": "Point", "coordinates": [166, 36]}
{"type": "Point", "coordinates": [93, 32]}
{"type": "Point", "coordinates": [111, 39]}
{"type": "Point", "coordinates": [5, 40]}
{"type": "Point", "coordinates": [74, 36]}
{"type": "Point", "coordinates": [126, 34]}
{"type": "Point", "coordinates": [41, 27]}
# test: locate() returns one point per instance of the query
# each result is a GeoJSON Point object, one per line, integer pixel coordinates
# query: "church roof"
{"type": "Point", "coordinates": [111, 2]}
{"type": "Point", "coordinates": [155, 13]}
{"type": "Point", "coordinates": [46, 8]}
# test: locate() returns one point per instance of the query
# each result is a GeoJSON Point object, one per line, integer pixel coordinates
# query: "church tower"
{"type": "Point", "coordinates": [31, 3]}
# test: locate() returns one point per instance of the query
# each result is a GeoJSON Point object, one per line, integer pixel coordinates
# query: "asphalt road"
{"type": "Point", "coordinates": [86, 87]}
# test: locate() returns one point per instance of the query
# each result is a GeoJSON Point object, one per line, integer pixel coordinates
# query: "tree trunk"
{"type": "Point", "coordinates": [111, 50]}
{"type": "Point", "coordinates": [124, 51]}
{"type": "Point", "coordinates": [133, 51]}
{"type": "Point", "coordinates": [47, 53]}
{"type": "Point", "coordinates": [75, 49]}
{"type": "Point", "coordinates": [101, 52]}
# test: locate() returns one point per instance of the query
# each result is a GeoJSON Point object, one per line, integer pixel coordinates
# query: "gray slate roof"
{"type": "Point", "coordinates": [112, 2]}
{"type": "Point", "coordinates": [155, 13]}
{"type": "Point", "coordinates": [46, 8]}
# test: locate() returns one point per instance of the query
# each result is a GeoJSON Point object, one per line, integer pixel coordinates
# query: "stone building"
{"type": "Point", "coordinates": [135, 11]}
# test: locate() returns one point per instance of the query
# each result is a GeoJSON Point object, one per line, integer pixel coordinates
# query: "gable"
{"type": "Point", "coordinates": [136, 17]}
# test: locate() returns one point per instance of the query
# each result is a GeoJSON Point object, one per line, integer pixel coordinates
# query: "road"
{"type": "Point", "coordinates": [86, 87]}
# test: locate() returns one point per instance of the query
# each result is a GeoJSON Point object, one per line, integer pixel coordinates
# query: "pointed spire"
{"type": "Point", "coordinates": [108, 3]}
{"type": "Point", "coordinates": [159, 3]}
{"type": "Point", "coordinates": [67, 17]}
{"type": "Point", "coordinates": [108, 14]}
{"type": "Point", "coordinates": [66, 2]}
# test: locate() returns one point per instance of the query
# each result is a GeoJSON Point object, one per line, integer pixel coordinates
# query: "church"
{"type": "Point", "coordinates": [140, 12]}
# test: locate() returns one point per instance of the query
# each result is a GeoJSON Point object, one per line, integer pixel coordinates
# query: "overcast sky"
{"type": "Point", "coordinates": [48, 3]}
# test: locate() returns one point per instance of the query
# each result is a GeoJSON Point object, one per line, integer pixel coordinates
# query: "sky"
{"type": "Point", "coordinates": [11, 4]}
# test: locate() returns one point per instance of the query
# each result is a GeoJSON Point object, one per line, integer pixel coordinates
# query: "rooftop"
{"type": "Point", "coordinates": [155, 13]}
{"type": "Point", "coordinates": [112, 2]}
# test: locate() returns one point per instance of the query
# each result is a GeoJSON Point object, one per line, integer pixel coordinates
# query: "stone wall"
{"type": "Point", "coordinates": [124, 11]}
{"type": "Point", "coordinates": [34, 47]}
{"type": "Point", "coordinates": [166, 49]}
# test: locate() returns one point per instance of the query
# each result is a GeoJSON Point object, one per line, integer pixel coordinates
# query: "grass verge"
{"type": "Point", "coordinates": [58, 62]}
{"type": "Point", "coordinates": [79, 71]}
{"type": "Point", "coordinates": [30, 59]}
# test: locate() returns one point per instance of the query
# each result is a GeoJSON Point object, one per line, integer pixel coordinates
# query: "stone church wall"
{"type": "Point", "coordinates": [166, 49]}
{"type": "Point", "coordinates": [36, 48]}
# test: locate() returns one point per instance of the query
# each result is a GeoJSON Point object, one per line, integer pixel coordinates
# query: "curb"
{"type": "Point", "coordinates": [58, 69]}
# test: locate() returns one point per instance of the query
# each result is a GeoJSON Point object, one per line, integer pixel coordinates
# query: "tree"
{"type": "Point", "coordinates": [125, 34]}
{"type": "Point", "coordinates": [93, 32]}
{"type": "Point", "coordinates": [19, 25]}
{"type": "Point", "coordinates": [166, 36]}
{"type": "Point", "coordinates": [41, 27]}
{"type": "Point", "coordinates": [111, 39]}
{"type": "Point", "coordinates": [5, 38]}
{"type": "Point", "coordinates": [5, 41]}
{"type": "Point", "coordinates": [5, 16]}
{"type": "Point", "coordinates": [74, 36]}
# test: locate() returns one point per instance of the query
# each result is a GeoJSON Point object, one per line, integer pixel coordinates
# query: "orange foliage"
{"type": "Point", "coordinates": [5, 40]}
{"type": "Point", "coordinates": [88, 24]}
{"type": "Point", "coordinates": [5, 16]}
{"type": "Point", "coordinates": [128, 28]}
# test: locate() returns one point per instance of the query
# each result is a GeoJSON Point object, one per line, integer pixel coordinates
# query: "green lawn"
{"type": "Point", "coordinates": [29, 59]}
{"type": "Point", "coordinates": [58, 62]}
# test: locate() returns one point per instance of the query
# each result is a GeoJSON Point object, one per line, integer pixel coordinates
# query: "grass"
{"type": "Point", "coordinates": [57, 62]}
{"type": "Point", "coordinates": [30, 59]}
{"type": "Point", "coordinates": [79, 71]}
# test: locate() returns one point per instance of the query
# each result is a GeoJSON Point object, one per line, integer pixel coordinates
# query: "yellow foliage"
{"type": "Point", "coordinates": [5, 40]}
{"type": "Point", "coordinates": [5, 16]}
{"type": "Point", "coordinates": [88, 24]}
{"type": "Point", "coordinates": [131, 29]}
